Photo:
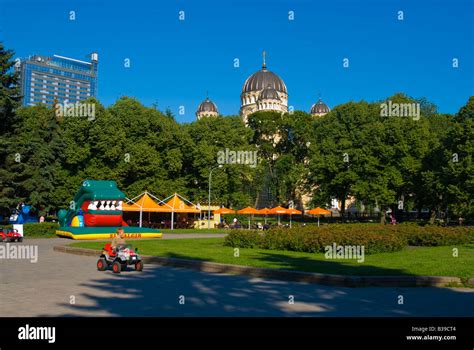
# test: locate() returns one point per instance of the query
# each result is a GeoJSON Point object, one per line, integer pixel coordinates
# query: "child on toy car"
{"type": "Point", "coordinates": [119, 255]}
{"type": "Point", "coordinates": [118, 240]}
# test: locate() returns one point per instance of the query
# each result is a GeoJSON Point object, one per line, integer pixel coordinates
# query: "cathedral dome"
{"type": "Point", "coordinates": [263, 91]}
{"type": "Point", "coordinates": [207, 109]}
{"type": "Point", "coordinates": [269, 93]}
{"type": "Point", "coordinates": [320, 108]}
{"type": "Point", "coordinates": [261, 79]}
{"type": "Point", "coordinates": [207, 106]}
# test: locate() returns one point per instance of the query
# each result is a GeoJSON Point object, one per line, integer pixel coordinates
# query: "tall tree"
{"type": "Point", "coordinates": [234, 184]}
{"type": "Point", "coordinates": [458, 169]}
{"type": "Point", "coordinates": [38, 155]}
{"type": "Point", "coordinates": [9, 101]}
{"type": "Point", "coordinates": [337, 152]}
{"type": "Point", "coordinates": [360, 152]}
{"type": "Point", "coordinates": [283, 141]}
{"type": "Point", "coordinates": [9, 90]}
{"type": "Point", "coordinates": [406, 139]}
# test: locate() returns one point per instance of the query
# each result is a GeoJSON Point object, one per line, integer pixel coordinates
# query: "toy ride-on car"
{"type": "Point", "coordinates": [119, 258]}
{"type": "Point", "coordinates": [10, 235]}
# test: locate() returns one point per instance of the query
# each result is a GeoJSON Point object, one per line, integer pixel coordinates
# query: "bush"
{"type": "Point", "coordinates": [375, 238]}
{"type": "Point", "coordinates": [242, 239]}
{"type": "Point", "coordinates": [315, 239]}
{"type": "Point", "coordinates": [432, 235]}
{"type": "Point", "coordinates": [40, 230]}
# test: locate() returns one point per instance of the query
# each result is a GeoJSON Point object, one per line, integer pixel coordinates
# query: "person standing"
{"type": "Point", "coordinates": [393, 221]}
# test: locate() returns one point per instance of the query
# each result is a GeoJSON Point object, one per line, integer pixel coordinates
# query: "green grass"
{"type": "Point", "coordinates": [419, 261]}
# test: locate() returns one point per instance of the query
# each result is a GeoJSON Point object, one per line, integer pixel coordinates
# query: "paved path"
{"type": "Point", "coordinates": [46, 288]}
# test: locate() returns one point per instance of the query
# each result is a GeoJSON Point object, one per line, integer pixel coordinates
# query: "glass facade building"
{"type": "Point", "coordinates": [57, 79]}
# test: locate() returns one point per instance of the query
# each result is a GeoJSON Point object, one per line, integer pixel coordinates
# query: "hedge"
{"type": "Point", "coordinates": [432, 235]}
{"type": "Point", "coordinates": [243, 239]}
{"type": "Point", "coordinates": [39, 230]}
{"type": "Point", "coordinates": [375, 238]}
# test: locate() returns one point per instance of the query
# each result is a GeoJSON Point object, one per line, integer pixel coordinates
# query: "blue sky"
{"type": "Point", "coordinates": [175, 62]}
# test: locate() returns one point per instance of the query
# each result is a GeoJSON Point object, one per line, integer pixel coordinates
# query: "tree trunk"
{"type": "Point", "coordinates": [418, 211]}
{"type": "Point", "coordinates": [432, 216]}
{"type": "Point", "coordinates": [382, 216]}
{"type": "Point", "coordinates": [343, 208]}
{"type": "Point", "coordinates": [256, 199]}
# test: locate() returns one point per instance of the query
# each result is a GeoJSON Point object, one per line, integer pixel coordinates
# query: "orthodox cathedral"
{"type": "Point", "coordinates": [262, 91]}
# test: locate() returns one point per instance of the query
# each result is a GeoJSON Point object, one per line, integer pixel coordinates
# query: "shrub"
{"type": "Point", "coordinates": [315, 239]}
{"type": "Point", "coordinates": [432, 235]}
{"type": "Point", "coordinates": [242, 239]}
{"type": "Point", "coordinates": [375, 238]}
{"type": "Point", "coordinates": [44, 229]}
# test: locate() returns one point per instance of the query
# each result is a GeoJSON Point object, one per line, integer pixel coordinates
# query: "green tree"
{"type": "Point", "coordinates": [430, 190]}
{"type": "Point", "coordinates": [406, 142]}
{"type": "Point", "coordinates": [9, 101]}
{"type": "Point", "coordinates": [283, 142]}
{"type": "Point", "coordinates": [339, 153]}
{"type": "Point", "coordinates": [9, 90]}
{"type": "Point", "coordinates": [458, 169]}
{"type": "Point", "coordinates": [359, 152]}
{"type": "Point", "coordinates": [234, 184]}
{"type": "Point", "coordinates": [36, 161]}
{"type": "Point", "coordinates": [151, 153]}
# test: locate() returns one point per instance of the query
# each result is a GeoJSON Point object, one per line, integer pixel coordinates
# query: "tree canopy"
{"type": "Point", "coordinates": [356, 150]}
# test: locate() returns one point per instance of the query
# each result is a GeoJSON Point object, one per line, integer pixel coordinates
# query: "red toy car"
{"type": "Point", "coordinates": [10, 235]}
{"type": "Point", "coordinates": [119, 258]}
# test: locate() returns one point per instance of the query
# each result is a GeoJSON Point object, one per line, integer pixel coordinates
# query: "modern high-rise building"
{"type": "Point", "coordinates": [57, 79]}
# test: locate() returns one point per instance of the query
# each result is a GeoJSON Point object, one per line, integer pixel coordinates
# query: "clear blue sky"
{"type": "Point", "coordinates": [175, 62]}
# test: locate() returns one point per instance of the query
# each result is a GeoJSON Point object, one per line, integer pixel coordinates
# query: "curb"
{"type": "Point", "coordinates": [286, 275]}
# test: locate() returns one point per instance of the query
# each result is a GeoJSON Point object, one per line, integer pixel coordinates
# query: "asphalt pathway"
{"type": "Point", "coordinates": [60, 284]}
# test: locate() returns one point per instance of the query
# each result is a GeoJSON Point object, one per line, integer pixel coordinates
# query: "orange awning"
{"type": "Point", "coordinates": [224, 211]}
{"type": "Point", "coordinates": [318, 211]}
{"type": "Point", "coordinates": [177, 205]}
{"type": "Point", "coordinates": [278, 210]}
{"type": "Point", "coordinates": [131, 207]}
{"type": "Point", "coordinates": [248, 211]}
{"type": "Point", "coordinates": [145, 203]}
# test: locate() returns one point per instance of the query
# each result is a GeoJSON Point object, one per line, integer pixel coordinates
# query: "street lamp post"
{"type": "Point", "coordinates": [209, 207]}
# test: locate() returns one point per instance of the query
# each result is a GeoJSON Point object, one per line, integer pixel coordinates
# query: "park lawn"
{"type": "Point", "coordinates": [419, 261]}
